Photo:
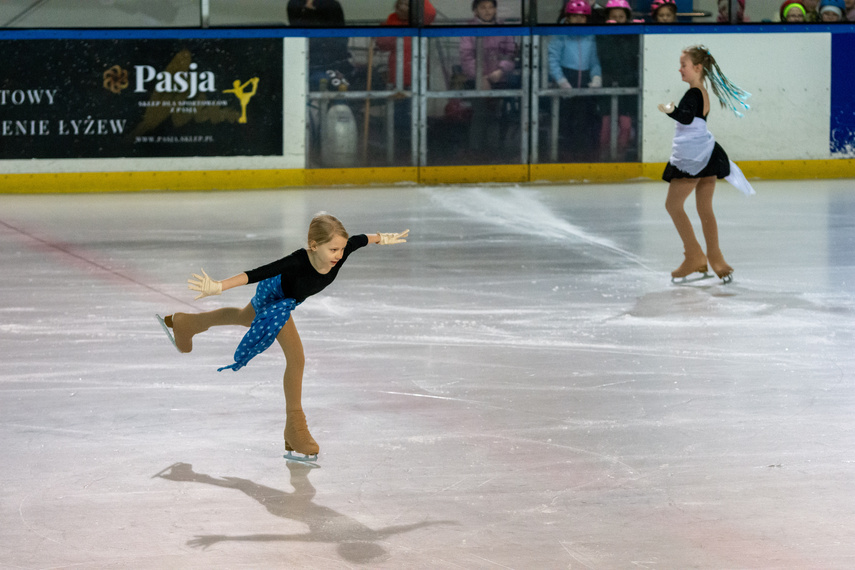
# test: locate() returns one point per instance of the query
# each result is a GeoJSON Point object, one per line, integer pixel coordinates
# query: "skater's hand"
{"type": "Point", "coordinates": [205, 285]}
{"type": "Point", "coordinates": [564, 84]}
{"type": "Point", "coordinates": [666, 108]}
{"type": "Point", "coordinates": [596, 82]}
{"type": "Point", "coordinates": [389, 239]}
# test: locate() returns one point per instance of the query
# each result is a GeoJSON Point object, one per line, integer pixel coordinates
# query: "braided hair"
{"type": "Point", "coordinates": [728, 94]}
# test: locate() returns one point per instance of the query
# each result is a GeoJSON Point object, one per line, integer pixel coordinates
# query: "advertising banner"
{"type": "Point", "coordinates": [140, 98]}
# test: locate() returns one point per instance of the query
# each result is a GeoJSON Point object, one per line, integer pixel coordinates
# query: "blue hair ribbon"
{"type": "Point", "coordinates": [730, 95]}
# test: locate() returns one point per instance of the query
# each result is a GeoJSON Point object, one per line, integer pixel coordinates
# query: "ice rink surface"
{"type": "Point", "coordinates": [518, 386]}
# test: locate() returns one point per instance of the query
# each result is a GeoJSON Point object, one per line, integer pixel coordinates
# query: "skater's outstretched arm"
{"type": "Point", "coordinates": [208, 287]}
{"type": "Point", "coordinates": [388, 239]}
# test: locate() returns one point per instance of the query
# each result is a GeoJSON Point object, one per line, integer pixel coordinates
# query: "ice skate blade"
{"type": "Point", "coordinates": [167, 331]}
{"type": "Point", "coordinates": [310, 460]}
{"type": "Point", "coordinates": [688, 280]}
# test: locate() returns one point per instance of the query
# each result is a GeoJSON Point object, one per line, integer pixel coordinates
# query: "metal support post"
{"type": "Point", "coordinates": [534, 110]}
{"type": "Point", "coordinates": [479, 62]}
{"type": "Point", "coordinates": [613, 129]}
{"type": "Point", "coordinates": [639, 121]}
{"type": "Point", "coordinates": [205, 11]}
{"type": "Point", "coordinates": [553, 131]}
{"type": "Point", "coordinates": [421, 157]}
{"type": "Point", "coordinates": [525, 99]}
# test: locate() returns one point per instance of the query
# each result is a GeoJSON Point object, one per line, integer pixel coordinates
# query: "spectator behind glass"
{"type": "Point", "coordinates": [831, 10]}
{"type": "Point", "coordinates": [324, 53]}
{"type": "Point", "coordinates": [573, 63]}
{"type": "Point", "coordinates": [498, 52]}
{"type": "Point", "coordinates": [573, 60]}
{"type": "Point", "coordinates": [599, 13]}
{"type": "Point", "coordinates": [618, 12]}
{"type": "Point", "coordinates": [487, 128]}
{"type": "Point", "coordinates": [811, 10]}
{"type": "Point", "coordinates": [619, 58]}
{"type": "Point", "coordinates": [850, 10]}
{"type": "Point", "coordinates": [401, 17]}
{"type": "Point", "coordinates": [663, 12]}
{"type": "Point", "coordinates": [792, 12]}
{"type": "Point", "coordinates": [724, 11]}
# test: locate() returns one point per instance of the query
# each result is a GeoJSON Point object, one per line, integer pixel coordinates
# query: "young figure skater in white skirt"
{"type": "Point", "coordinates": [697, 160]}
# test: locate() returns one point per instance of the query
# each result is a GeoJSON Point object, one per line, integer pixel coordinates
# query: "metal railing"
{"type": "Point", "coordinates": [425, 94]}
{"type": "Point", "coordinates": [388, 97]}
{"type": "Point", "coordinates": [556, 94]}
{"type": "Point", "coordinates": [534, 88]}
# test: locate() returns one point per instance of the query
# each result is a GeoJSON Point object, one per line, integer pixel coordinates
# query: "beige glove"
{"type": "Point", "coordinates": [389, 239]}
{"type": "Point", "coordinates": [596, 82]}
{"type": "Point", "coordinates": [564, 84]}
{"type": "Point", "coordinates": [666, 108]}
{"type": "Point", "coordinates": [205, 285]}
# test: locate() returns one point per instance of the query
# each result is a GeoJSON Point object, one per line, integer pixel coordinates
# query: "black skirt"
{"type": "Point", "coordinates": [718, 166]}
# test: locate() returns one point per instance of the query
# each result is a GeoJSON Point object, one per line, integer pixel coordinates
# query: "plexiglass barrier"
{"type": "Point", "coordinates": [585, 95]}
{"type": "Point", "coordinates": [478, 95]}
{"type": "Point", "coordinates": [101, 13]}
{"type": "Point", "coordinates": [447, 89]}
{"type": "Point", "coordinates": [93, 14]}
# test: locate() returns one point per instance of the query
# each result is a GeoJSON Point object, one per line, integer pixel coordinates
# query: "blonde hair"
{"type": "Point", "coordinates": [323, 228]}
{"type": "Point", "coordinates": [727, 93]}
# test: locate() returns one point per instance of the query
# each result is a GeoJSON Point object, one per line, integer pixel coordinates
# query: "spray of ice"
{"type": "Point", "coordinates": [519, 210]}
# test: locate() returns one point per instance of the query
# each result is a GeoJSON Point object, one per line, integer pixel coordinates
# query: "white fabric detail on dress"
{"type": "Point", "coordinates": [738, 180]}
{"type": "Point", "coordinates": [692, 147]}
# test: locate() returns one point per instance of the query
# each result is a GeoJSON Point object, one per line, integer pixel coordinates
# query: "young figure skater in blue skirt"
{"type": "Point", "coordinates": [282, 285]}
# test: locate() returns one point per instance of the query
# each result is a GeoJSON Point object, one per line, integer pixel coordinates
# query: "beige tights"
{"type": "Point", "coordinates": [297, 436]}
{"type": "Point", "coordinates": [678, 192]}
{"type": "Point", "coordinates": [186, 325]}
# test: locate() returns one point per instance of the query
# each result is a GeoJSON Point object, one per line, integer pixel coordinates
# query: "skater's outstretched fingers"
{"type": "Point", "coordinates": [205, 285]}
{"type": "Point", "coordinates": [393, 238]}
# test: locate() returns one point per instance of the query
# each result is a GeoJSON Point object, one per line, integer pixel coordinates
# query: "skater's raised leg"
{"type": "Point", "coordinates": [695, 260]}
{"type": "Point", "coordinates": [186, 325]}
{"type": "Point", "coordinates": [704, 197]}
{"type": "Point", "coordinates": [297, 436]}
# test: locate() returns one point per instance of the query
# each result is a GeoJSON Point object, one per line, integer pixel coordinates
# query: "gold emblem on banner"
{"type": "Point", "coordinates": [116, 79]}
{"type": "Point", "coordinates": [243, 97]}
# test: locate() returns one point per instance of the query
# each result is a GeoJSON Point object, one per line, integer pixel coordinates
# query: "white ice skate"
{"type": "Point", "coordinates": [693, 278]}
{"type": "Point", "coordinates": [310, 460]}
{"type": "Point", "coordinates": [167, 331]}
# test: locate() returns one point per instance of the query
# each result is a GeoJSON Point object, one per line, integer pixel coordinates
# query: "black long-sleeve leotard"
{"type": "Point", "coordinates": [299, 278]}
{"type": "Point", "coordinates": [690, 107]}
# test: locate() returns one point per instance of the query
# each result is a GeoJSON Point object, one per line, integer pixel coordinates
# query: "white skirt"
{"type": "Point", "coordinates": [692, 147]}
{"type": "Point", "coordinates": [691, 151]}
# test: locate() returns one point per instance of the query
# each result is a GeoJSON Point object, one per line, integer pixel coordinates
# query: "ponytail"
{"type": "Point", "coordinates": [728, 94]}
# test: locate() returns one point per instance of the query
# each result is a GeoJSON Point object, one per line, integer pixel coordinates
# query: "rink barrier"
{"type": "Point", "coordinates": [80, 182]}
{"type": "Point", "coordinates": [257, 178]}
{"type": "Point", "coordinates": [204, 180]}
{"type": "Point", "coordinates": [798, 169]}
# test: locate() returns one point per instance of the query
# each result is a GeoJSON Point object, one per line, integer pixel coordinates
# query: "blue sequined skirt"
{"type": "Point", "coordinates": [272, 311]}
